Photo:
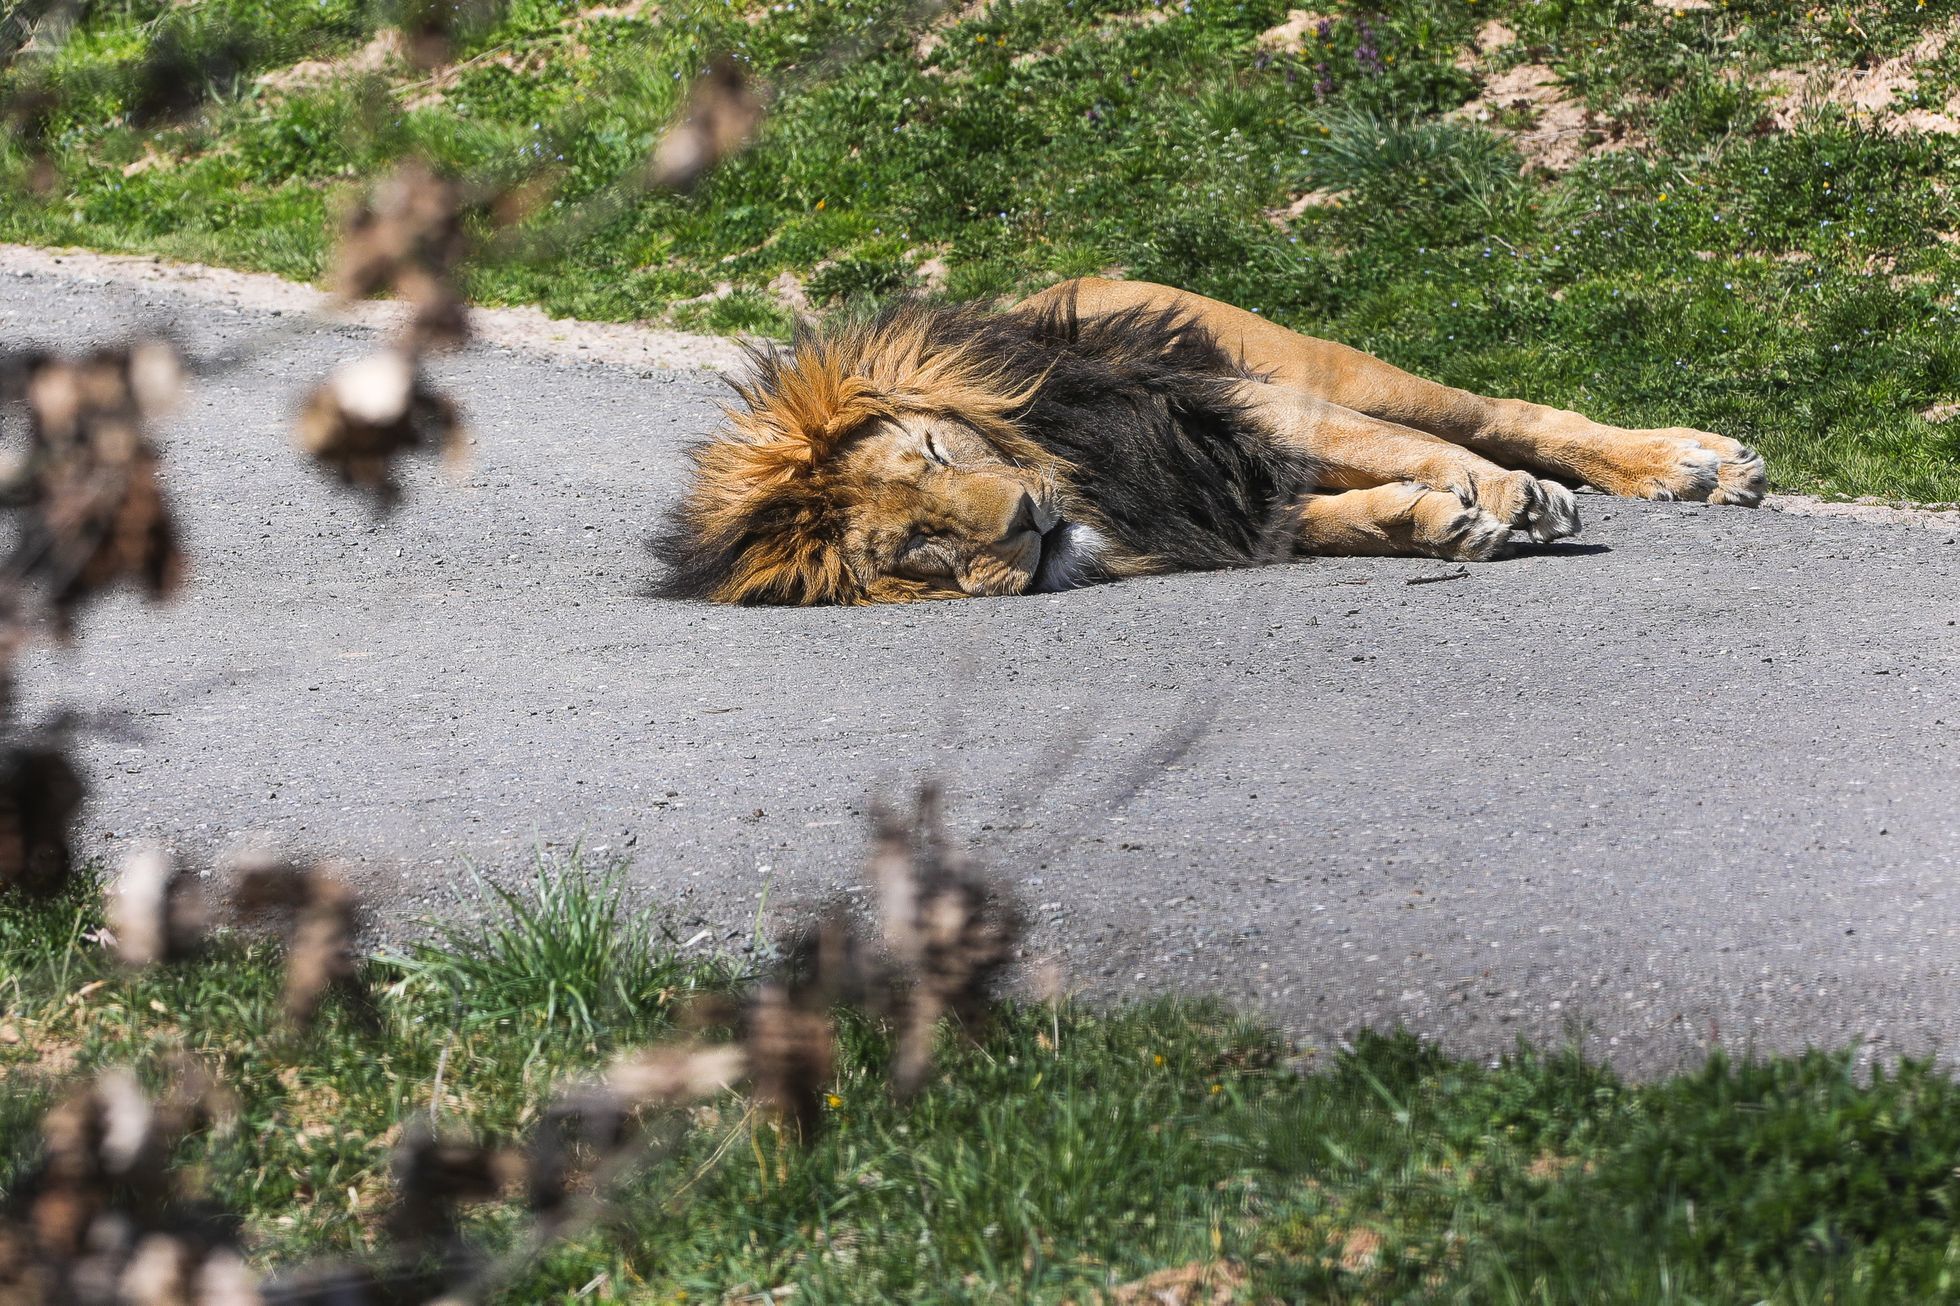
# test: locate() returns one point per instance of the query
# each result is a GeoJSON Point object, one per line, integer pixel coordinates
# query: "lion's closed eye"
{"type": "Point", "coordinates": [925, 551]}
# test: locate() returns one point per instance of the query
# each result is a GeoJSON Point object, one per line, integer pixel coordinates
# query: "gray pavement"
{"type": "Point", "coordinates": [1690, 780]}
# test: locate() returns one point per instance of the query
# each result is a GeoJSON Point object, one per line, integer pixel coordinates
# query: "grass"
{"type": "Point", "coordinates": [1065, 1152]}
{"type": "Point", "coordinates": [568, 950]}
{"type": "Point", "coordinates": [1788, 279]}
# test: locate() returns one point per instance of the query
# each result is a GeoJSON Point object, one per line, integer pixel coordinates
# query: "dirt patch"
{"type": "Point", "coordinates": [1112, 25]}
{"type": "Point", "coordinates": [151, 159]}
{"type": "Point", "coordinates": [529, 330]}
{"type": "Point", "coordinates": [1927, 122]}
{"type": "Point", "coordinates": [722, 290]}
{"type": "Point", "coordinates": [1875, 511]}
{"type": "Point", "coordinates": [1290, 37]}
{"type": "Point", "coordinates": [644, 10]}
{"type": "Point", "coordinates": [314, 1109]}
{"type": "Point", "coordinates": [53, 1058]}
{"type": "Point", "coordinates": [1879, 95]}
{"type": "Point", "coordinates": [533, 62]}
{"type": "Point", "coordinates": [1490, 38]}
{"type": "Point", "coordinates": [1313, 199]}
{"type": "Point", "coordinates": [1214, 1284]}
{"type": "Point", "coordinates": [1527, 105]}
{"type": "Point", "coordinates": [433, 85]}
{"type": "Point", "coordinates": [935, 35]}
{"type": "Point", "coordinates": [788, 291]}
{"type": "Point", "coordinates": [434, 88]}
{"type": "Point", "coordinates": [381, 52]}
{"type": "Point", "coordinates": [1130, 22]}
{"type": "Point", "coordinates": [1361, 1251]}
{"type": "Point", "coordinates": [932, 273]}
{"type": "Point", "coordinates": [1547, 1166]}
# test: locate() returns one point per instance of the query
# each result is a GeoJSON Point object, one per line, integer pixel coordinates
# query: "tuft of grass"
{"type": "Point", "coordinates": [42, 934]}
{"type": "Point", "coordinates": [566, 951]}
{"type": "Point", "coordinates": [1394, 160]}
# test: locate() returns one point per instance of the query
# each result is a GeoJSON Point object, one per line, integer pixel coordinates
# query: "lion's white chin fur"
{"type": "Point", "coordinates": [1068, 558]}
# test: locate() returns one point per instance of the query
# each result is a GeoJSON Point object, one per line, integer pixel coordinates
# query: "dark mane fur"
{"type": "Point", "coordinates": [1139, 403]}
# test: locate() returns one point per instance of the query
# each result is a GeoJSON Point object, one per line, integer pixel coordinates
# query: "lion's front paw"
{"type": "Point", "coordinates": [1682, 463]}
{"type": "Point", "coordinates": [1545, 510]}
{"type": "Point", "coordinates": [1553, 513]}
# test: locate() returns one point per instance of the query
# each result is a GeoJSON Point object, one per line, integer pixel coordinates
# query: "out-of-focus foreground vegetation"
{"type": "Point", "coordinates": [1063, 1155]}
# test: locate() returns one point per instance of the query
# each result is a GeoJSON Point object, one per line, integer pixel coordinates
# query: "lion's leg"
{"type": "Point", "coordinates": [1674, 462]}
{"type": "Point", "coordinates": [1401, 520]}
{"type": "Point", "coordinates": [1669, 463]}
{"type": "Point", "coordinates": [1355, 451]}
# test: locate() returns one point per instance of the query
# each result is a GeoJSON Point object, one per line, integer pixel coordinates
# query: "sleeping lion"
{"type": "Point", "coordinates": [1105, 429]}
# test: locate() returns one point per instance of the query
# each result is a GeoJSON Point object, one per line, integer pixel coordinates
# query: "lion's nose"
{"type": "Point", "coordinates": [1031, 514]}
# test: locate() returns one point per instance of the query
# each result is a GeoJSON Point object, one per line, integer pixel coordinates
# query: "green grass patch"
{"type": "Point", "coordinates": [1064, 1152]}
{"type": "Point", "coordinates": [1788, 280]}
{"type": "Point", "coordinates": [1790, 283]}
{"type": "Point", "coordinates": [566, 949]}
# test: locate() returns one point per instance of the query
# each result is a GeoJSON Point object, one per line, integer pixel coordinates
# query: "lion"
{"type": "Point", "coordinates": [1109, 429]}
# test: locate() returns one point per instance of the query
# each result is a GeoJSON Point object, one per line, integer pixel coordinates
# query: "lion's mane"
{"type": "Point", "coordinates": [1132, 413]}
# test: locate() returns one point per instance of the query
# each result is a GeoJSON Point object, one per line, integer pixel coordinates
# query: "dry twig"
{"type": "Point", "coordinates": [321, 915]}
{"type": "Point", "coordinates": [156, 910]}
{"type": "Point", "coordinates": [40, 794]}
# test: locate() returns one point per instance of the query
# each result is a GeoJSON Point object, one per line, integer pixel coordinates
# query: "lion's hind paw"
{"type": "Point", "coordinates": [1544, 510]}
{"type": "Point", "coordinates": [1743, 479]}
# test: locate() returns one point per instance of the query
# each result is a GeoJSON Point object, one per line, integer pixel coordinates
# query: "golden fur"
{"type": "Point", "coordinates": [783, 439]}
{"type": "Point", "coordinates": [895, 460]}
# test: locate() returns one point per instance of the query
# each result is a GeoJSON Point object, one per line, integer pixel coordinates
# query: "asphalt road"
{"type": "Point", "coordinates": [1690, 781]}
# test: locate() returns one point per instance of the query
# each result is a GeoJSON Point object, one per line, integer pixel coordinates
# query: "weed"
{"type": "Point", "coordinates": [567, 953]}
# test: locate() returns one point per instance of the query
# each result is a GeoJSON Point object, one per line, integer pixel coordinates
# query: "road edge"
{"type": "Point", "coordinates": [525, 329]}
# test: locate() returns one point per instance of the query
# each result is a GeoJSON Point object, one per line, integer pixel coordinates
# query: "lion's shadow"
{"type": "Point", "coordinates": [1558, 549]}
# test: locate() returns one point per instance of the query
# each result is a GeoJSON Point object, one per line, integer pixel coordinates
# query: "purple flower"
{"type": "Point", "coordinates": [1366, 53]}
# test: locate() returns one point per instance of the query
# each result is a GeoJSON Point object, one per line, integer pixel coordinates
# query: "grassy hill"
{"type": "Point", "coordinates": [1735, 215]}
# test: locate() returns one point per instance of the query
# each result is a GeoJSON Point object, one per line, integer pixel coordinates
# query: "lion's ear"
{"type": "Point", "coordinates": [803, 407]}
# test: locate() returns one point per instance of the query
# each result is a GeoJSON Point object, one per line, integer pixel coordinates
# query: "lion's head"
{"type": "Point", "coordinates": [941, 452]}
{"type": "Point", "coordinates": [879, 463]}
